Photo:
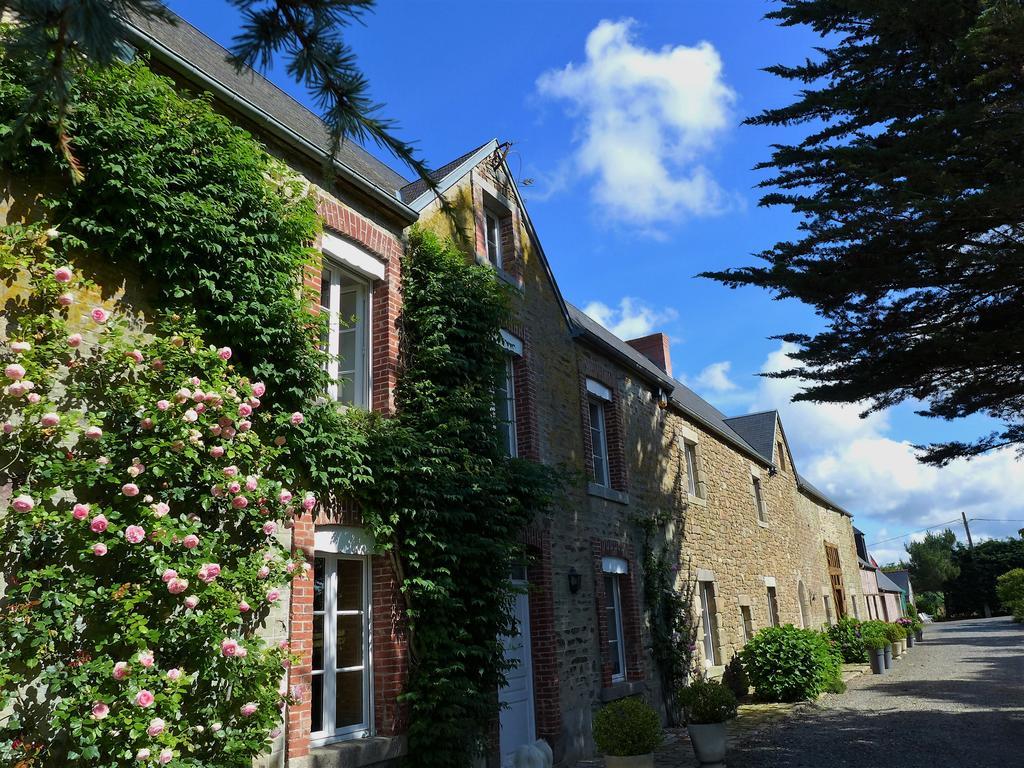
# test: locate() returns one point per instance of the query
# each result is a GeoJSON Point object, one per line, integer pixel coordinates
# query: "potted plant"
{"type": "Point", "coordinates": [875, 643]}
{"type": "Point", "coordinates": [707, 705]}
{"type": "Point", "coordinates": [627, 732]}
{"type": "Point", "coordinates": [907, 625]}
{"type": "Point", "coordinates": [918, 630]}
{"type": "Point", "coordinates": [897, 637]}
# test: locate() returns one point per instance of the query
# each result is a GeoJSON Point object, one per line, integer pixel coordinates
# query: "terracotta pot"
{"type": "Point", "coordinates": [709, 743]}
{"type": "Point", "coordinates": [629, 761]}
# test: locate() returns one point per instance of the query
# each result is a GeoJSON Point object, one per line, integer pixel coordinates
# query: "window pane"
{"type": "Point", "coordinates": [347, 350]}
{"type": "Point", "coordinates": [325, 288]}
{"type": "Point", "coordinates": [317, 704]}
{"type": "Point", "coordinates": [346, 389]}
{"type": "Point", "coordinates": [350, 640]}
{"type": "Point", "coordinates": [319, 588]}
{"type": "Point", "coordinates": [613, 621]}
{"type": "Point", "coordinates": [349, 699]}
{"type": "Point", "coordinates": [349, 308]}
{"type": "Point", "coordinates": [691, 468]}
{"type": "Point", "coordinates": [599, 443]}
{"type": "Point", "coordinates": [318, 642]}
{"type": "Point", "coordinates": [350, 585]}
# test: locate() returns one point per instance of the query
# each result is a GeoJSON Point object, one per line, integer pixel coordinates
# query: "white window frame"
{"type": "Point", "coordinates": [707, 598]}
{"type": "Point", "coordinates": [758, 492]}
{"type": "Point", "coordinates": [495, 257]}
{"type": "Point", "coordinates": [692, 471]}
{"type": "Point", "coordinates": [508, 418]}
{"type": "Point", "coordinates": [359, 368]}
{"type": "Point", "coordinates": [599, 442]}
{"type": "Point", "coordinates": [330, 733]}
{"type": "Point", "coordinates": [613, 601]}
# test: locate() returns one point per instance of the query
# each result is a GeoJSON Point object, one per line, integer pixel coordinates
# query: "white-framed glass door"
{"type": "Point", "coordinates": [341, 673]}
{"type": "Point", "coordinates": [345, 299]}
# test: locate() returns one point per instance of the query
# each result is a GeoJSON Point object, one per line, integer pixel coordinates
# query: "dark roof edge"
{"type": "Point", "coordinates": [810, 490]}
{"type": "Point", "coordinates": [179, 63]}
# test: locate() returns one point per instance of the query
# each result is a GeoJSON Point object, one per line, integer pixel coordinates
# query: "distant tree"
{"type": "Point", "coordinates": [931, 561]}
{"type": "Point", "coordinates": [975, 586]}
{"type": "Point", "coordinates": [59, 35]}
{"type": "Point", "coordinates": [910, 187]}
{"type": "Point", "coordinates": [930, 603]}
{"type": "Point", "coordinates": [902, 565]}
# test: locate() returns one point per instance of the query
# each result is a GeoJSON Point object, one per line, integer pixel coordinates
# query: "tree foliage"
{"type": "Point", "coordinates": [975, 586]}
{"type": "Point", "coordinates": [931, 561]}
{"type": "Point", "coordinates": [908, 186]}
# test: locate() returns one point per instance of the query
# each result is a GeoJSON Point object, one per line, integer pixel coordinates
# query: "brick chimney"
{"type": "Point", "coordinates": [655, 349]}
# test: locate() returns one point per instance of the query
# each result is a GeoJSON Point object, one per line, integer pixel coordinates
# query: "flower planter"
{"type": "Point", "coordinates": [877, 659]}
{"type": "Point", "coordinates": [709, 742]}
{"type": "Point", "coordinates": [903, 646]}
{"type": "Point", "coordinates": [629, 761]}
{"type": "Point", "coordinates": [888, 656]}
{"type": "Point", "coordinates": [919, 635]}
{"type": "Point", "coordinates": [910, 641]}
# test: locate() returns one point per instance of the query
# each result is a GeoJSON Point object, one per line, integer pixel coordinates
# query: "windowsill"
{"type": "Point", "coordinates": [609, 494]}
{"type": "Point", "coordinates": [622, 690]}
{"type": "Point", "coordinates": [353, 753]}
{"type": "Point", "coordinates": [515, 282]}
{"type": "Point", "coordinates": [763, 523]}
{"type": "Point", "coordinates": [699, 501]}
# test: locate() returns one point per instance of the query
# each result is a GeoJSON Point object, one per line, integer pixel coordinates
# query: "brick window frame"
{"type": "Point", "coordinates": [630, 606]}
{"type": "Point", "coordinates": [524, 382]}
{"type": "Point", "coordinates": [614, 431]}
{"type": "Point", "coordinates": [494, 194]}
{"type": "Point", "coordinates": [543, 642]}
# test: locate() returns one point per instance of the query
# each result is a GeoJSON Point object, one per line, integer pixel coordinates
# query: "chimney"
{"type": "Point", "coordinates": [655, 349]}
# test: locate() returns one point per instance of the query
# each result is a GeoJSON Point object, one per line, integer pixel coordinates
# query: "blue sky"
{"type": "Point", "coordinates": [627, 116]}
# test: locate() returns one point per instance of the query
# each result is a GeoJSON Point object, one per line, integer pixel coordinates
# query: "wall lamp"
{"type": "Point", "coordinates": [574, 581]}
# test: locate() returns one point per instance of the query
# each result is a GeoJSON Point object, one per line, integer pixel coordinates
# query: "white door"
{"type": "Point", "coordinates": [516, 697]}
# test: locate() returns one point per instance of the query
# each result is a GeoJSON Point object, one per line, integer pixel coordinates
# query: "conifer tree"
{"type": "Point", "coordinates": [910, 189]}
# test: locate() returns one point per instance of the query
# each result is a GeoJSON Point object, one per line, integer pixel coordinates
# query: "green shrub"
{"type": "Point", "coordinates": [894, 632]}
{"type": "Point", "coordinates": [874, 639]}
{"type": "Point", "coordinates": [1010, 589]}
{"type": "Point", "coordinates": [707, 701]}
{"type": "Point", "coordinates": [735, 678]}
{"type": "Point", "coordinates": [627, 727]}
{"type": "Point", "coordinates": [790, 664]}
{"type": "Point", "coordinates": [847, 638]}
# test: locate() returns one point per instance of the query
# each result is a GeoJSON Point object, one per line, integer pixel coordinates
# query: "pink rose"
{"type": "Point", "coordinates": [160, 509]}
{"type": "Point", "coordinates": [284, 496]}
{"type": "Point", "coordinates": [50, 419]}
{"type": "Point", "coordinates": [144, 699]}
{"type": "Point", "coordinates": [20, 347]}
{"type": "Point", "coordinates": [133, 534]}
{"type": "Point", "coordinates": [224, 353]}
{"type": "Point", "coordinates": [249, 709]}
{"type": "Point", "coordinates": [228, 432]}
{"type": "Point", "coordinates": [142, 755]}
{"type": "Point", "coordinates": [280, 440]}
{"type": "Point", "coordinates": [243, 606]}
{"type": "Point", "coordinates": [158, 364]}
{"type": "Point", "coordinates": [121, 670]}
{"type": "Point", "coordinates": [191, 541]}
{"type": "Point", "coordinates": [230, 471]}
{"type": "Point", "coordinates": [244, 425]}
{"type": "Point", "coordinates": [169, 574]}
{"type": "Point", "coordinates": [146, 423]}
{"type": "Point", "coordinates": [74, 340]}
{"type": "Point", "coordinates": [66, 299]}
{"type": "Point", "coordinates": [255, 402]}
{"type": "Point", "coordinates": [135, 355]}
{"type": "Point", "coordinates": [229, 647]}
{"type": "Point", "coordinates": [174, 674]}
{"type": "Point", "coordinates": [297, 418]}
{"type": "Point", "coordinates": [62, 274]}
{"type": "Point", "coordinates": [289, 566]}
{"type": "Point", "coordinates": [8, 428]}
{"type": "Point", "coordinates": [259, 389]}
{"type": "Point", "coordinates": [102, 461]}
{"type": "Point", "coordinates": [234, 487]}
{"type": "Point", "coordinates": [146, 659]}
{"type": "Point", "coordinates": [99, 549]}
{"type": "Point", "coordinates": [100, 710]}
{"type": "Point", "coordinates": [309, 502]}
{"type": "Point", "coordinates": [245, 409]}
{"type": "Point", "coordinates": [17, 389]}
{"type": "Point", "coordinates": [269, 528]}
{"type": "Point", "coordinates": [23, 503]}
{"type": "Point", "coordinates": [198, 396]}
{"type": "Point", "coordinates": [190, 416]}
{"type": "Point", "coordinates": [94, 433]}
{"type": "Point", "coordinates": [251, 483]}
{"type": "Point", "coordinates": [263, 572]}
{"type": "Point", "coordinates": [191, 601]}
{"type": "Point", "coordinates": [239, 502]}
{"type": "Point", "coordinates": [208, 572]}
{"type": "Point", "coordinates": [34, 398]}
{"type": "Point", "coordinates": [166, 755]}
{"type": "Point", "coordinates": [177, 585]}
{"type": "Point", "coordinates": [273, 595]}
{"type": "Point", "coordinates": [162, 405]}
{"type": "Point", "coordinates": [14, 371]}
{"type": "Point", "coordinates": [156, 727]}
{"type": "Point", "coordinates": [215, 430]}
{"type": "Point", "coordinates": [99, 315]}
{"type": "Point", "coordinates": [130, 489]}
{"type": "Point", "coordinates": [217, 451]}
{"type": "Point", "coordinates": [98, 524]}
{"type": "Point", "coordinates": [200, 407]}
{"type": "Point", "coordinates": [80, 511]}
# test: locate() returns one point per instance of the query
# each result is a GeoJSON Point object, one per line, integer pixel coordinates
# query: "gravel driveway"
{"type": "Point", "coordinates": [957, 699]}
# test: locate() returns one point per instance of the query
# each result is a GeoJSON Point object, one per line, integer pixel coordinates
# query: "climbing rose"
{"type": "Point", "coordinates": [142, 754]}
{"type": "Point", "coordinates": [143, 699]}
{"type": "Point", "coordinates": [259, 388]}
{"type": "Point", "coordinates": [66, 299]}
{"type": "Point", "coordinates": [244, 409]}
{"type": "Point", "coordinates": [18, 347]}
{"type": "Point", "coordinates": [244, 425]}
{"type": "Point", "coordinates": [98, 524]}
{"type": "Point", "coordinates": [23, 503]}
{"type": "Point", "coordinates": [130, 489]}
{"type": "Point", "coordinates": [174, 674]}
{"type": "Point", "coordinates": [160, 509]}
{"type": "Point", "coordinates": [224, 353]}
{"type": "Point", "coordinates": [135, 355]}
{"type": "Point", "coordinates": [269, 528]}
{"type": "Point", "coordinates": [99, 315]}
{"type": "Point", "coordinates": [243, 606]}
{"type": "Point", "coordinates": [162, 405]}
{"type": "Point", "coordinates": [263, 572]}
{"type": "Point", "coordinates": [14, 371]}
{"type": "Point", "coordinates": [190, 416]}
{"type": "Point", "coordinates": [50, 419]}
{"type": "Point", "coordinates": [100, 710]}
{"type": "Point", "coordinates": [249, 709]}
{"type": "Point", "coordinates": [177, 585]}
{"type": "Point", "coordinates": [94, 433]}
{"type": "Point", "coordinates": [297, 418]}
{"type": "Point", "coordinates": [133, 534]}
{"type": "Point", "coordinates": [217, 451]}
{"type": "Point", "coordinates": [156, 727]}
{"type": "Point", "coordinates": [284, 496]}
{"type": "Point", "coordinates": [208, 572]}
{"type": "Point", "coordinates": [309, 502]}
{"type": "Point", "coordinates": [191, 601]}
{"type": "Point", "coordinates": [99, 549]}
{"type": "Point", "coordinates": [280, 440]}
{"type": "Point", "coordinates": [74, 340]}
{"type": "Point", "coordinates": [121, 670]}
{"type": "Point", "coordinates": [146, 423]}
{"type": "Point", "coordinates": [146, 659]}
{"type": "Point", "coordinates": [166, 755]}
{"type": "Point", "coordinates": [169, 574]}
{"type": "Point", "coordinates": [273, 595]}
{"type": "Point", "coordinates": [234, 487]}
{"type": "Point", "coordinates": [230, 471]}
{"type": "Point", "coordinates": [239, 502]}
{"type": "Point", "coordinates": [62, 274]}
{"type": "Point", "coordinates": [229, 647]}
{"type": "Point", "coordinates": [191, 541]}
{"type": "Point", "coordinates": [80, 511]}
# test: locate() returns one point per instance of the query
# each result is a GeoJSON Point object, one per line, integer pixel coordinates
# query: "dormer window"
{"type": "Point", "coordinates": [492, 229]}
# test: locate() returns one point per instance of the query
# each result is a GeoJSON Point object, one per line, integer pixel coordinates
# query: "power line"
{"type": "Point", "coordinates": [922, 530]}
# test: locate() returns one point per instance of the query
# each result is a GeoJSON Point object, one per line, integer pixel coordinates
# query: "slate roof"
{"type": "Point", "coordinates": [209, 57]}
{"type": "Point", "coordinates": [414, 189]}
{"type": "Point", "coordinates": [901, 579]}
{"type": "Point", "coordinates": [806, 485]}
{"type": "Point", "coordinates": [758, 429]}
{"type": "Point", "coordinates": [885, 584]}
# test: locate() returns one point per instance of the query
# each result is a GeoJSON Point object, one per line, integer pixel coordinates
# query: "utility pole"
{"type": "Point", "coordinates": [970, 545]}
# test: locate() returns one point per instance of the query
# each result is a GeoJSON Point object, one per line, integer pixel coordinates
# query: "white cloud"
{"type": "Point", "coordinates": [631, 319]}
{"type": "Point", "coordinates": [646, 119]}
{"type": "Point", "coordinates": [715, 378]}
